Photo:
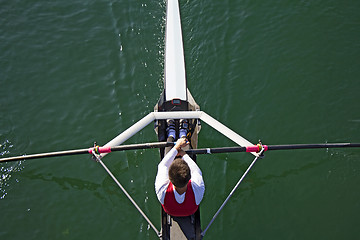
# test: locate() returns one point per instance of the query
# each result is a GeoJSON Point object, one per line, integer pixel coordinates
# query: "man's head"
{"type": "Point", "coordinates": [179, 173]}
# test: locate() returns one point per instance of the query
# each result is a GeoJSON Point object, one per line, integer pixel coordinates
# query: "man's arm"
{"type": "Point", "coordinates": [162, 176]}
{"type": "Point", "coordinates": [197, 180]}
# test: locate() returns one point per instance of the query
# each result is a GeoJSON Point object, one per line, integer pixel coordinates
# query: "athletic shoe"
{"type": "Point", "coordinates": [171, 128]}
{"type": "Point", "coordinates": [184, 126]}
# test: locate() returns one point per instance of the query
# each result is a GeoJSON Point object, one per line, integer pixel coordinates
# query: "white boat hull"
{"type": "Point", "coordinates": [175, 76]}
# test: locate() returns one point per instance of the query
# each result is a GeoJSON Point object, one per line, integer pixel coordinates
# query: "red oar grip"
{"type": "Point", "coordinates": [256, 148]}
{"type": "Point", "coordinates": [99, 150]}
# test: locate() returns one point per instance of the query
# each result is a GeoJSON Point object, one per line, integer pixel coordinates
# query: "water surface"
{"type": "Point", "coordinates": [82, 71]}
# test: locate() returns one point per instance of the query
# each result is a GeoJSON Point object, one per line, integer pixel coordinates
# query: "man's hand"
{"type": "Point", "coordinates": [181, 153]}
{"type": "Point", "coordinates": [182, 142]}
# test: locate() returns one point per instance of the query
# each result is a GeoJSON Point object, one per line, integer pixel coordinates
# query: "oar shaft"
{"type": "Point", "coordinates": [216, 150]}
{"type": "Point", "coordinates": [142, 146]}
{"type": "Point", "coordinates": [89, 150]}
{"type": "Point", "coordinates": [44, 155]}
{"type": "Point", "coordinates": [313, 146]}
{"type": "Point", "coordinates": [257, 148]}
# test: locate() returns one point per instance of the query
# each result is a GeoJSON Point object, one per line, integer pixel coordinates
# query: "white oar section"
{"type": "Point", "coordinates": [131, 131]}
{"type": "Point", "coordinates": [175, 77]}
{"type": "Point", "coordinates": [226, 131]}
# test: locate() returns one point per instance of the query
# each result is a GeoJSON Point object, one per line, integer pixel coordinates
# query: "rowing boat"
{"type": "Point", "coordinates": [176, 102]}
{"type": "Point", "coordinates": [176, 97]}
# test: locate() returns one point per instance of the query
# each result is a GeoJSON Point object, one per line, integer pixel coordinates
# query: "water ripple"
{"type": "Point", "coordinates": [6, 172]}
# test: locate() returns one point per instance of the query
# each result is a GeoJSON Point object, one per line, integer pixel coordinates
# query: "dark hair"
{"type": "Point", "coordinates": [179, 173]}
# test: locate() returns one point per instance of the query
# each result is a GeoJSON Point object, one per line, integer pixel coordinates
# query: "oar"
{"type": "Point", "coordinates": [97, 150]}
{"type": "Point", "coordinates": [257, 148]}
{"type": "Point", "coordinates": [254, 148]}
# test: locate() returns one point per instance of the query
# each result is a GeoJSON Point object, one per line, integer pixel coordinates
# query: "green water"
{"type": "Point", "coordinates": [75, 72]}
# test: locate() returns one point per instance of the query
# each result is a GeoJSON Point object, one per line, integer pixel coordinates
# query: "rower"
{"type": "Point", "coordinates": [179, 183]}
